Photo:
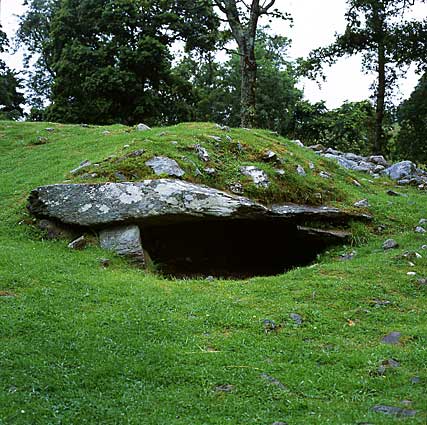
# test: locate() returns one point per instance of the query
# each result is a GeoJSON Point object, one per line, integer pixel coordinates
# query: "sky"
{"type": "Point", "coordinates": [315, 23]}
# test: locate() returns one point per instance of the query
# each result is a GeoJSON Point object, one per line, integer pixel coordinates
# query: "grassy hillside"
{"type": "Point", "coordinates": [85, 344]}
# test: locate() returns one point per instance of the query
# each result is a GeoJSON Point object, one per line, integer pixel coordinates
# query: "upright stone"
{"type": "Point", "coordinates": [124, 241]}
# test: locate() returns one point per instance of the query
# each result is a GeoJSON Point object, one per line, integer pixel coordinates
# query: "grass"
{"type": "Point", "coordinates": [84, 344]}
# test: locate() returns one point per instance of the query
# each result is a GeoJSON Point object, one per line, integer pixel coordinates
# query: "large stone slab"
{"type": "Point", "coordinates": [148, 201]}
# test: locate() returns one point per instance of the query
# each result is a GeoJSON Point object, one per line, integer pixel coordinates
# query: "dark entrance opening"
{"type": "Point", "coordinates": [234, 248]}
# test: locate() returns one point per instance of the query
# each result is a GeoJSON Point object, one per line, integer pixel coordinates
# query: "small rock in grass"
{"type": "Point", "coordinates": [142, 127]}
{"type": "Point", "coordinates": [424, 247]}
{"type": "Point", "coordinates": [273, 381]}
{"type": "Point", "coordinates": [422, 282]}
{"type": "Point", "coordinates": [49, 129]}
{"type": "Point", "coordinates": [174, 142]}
{"type": "Point", "coordinates": [259, 177]}
{"type": "Point", "coordinates": [210, 171]}
{"type": "Point", "coordinates": [279, 423]}
{"type": "Point", "coordinates": [222, 127]}
{"type": "Point", "coordinates": [270, 156]}
{"type": "Point", "coordinates": [411, 273]}
{"type": "Point", "coordinates": [104, 262]}
{"type": "Point", "coordinates": [356, 183]}
{"type": "Point", "coordinates": [324, 175]}
{"type": "Point", "coordinates": [395, 411]}
{"type": "Point", "coordinates": [210, 279]}
{"type": "Point", "coordinates": [390, 244]}
{"type": "Point", "coordinates": [120, 177]}
{"type": "Point", "coordinates": [422, 221]}
{"type": "Point", "coordinates": [82, 165]}
{"type": "Point", "coordinates": [269, 325]}
{"type": "Point", "coordinates": [78, 243]}
{"type": "Point", "coordinates": [393, 193]}
{"type": "Point", "coordinates": [362, 204]}
{"type": "Point", "coordinates": [216, 138]}
{"type": "Point", "coordinates": [237, 188]}
{"type": "Point", "coordinates": [420, 229]}
{"type": "Point", "coordinates": [280, 172]}
{"type": "Point", "coordinates": [164, 165]}
{"type": "Point", "coordinates": [301, 171]}
{"type": "Point", "coordinates": [298, 143]}
{"type": "Point", "coordinates": [296, 318]}
{"type": "Point", "coordinates": [415, 380]}
{"type": "Point", "coordinates": [106, 133]}
{"type": "Point", "coordinates": [41, 141]}
{"type": "Point", "coordinates": [202, 153]}
{"type": "Point", "coordinates": [226, 388]}
{"type": "Point", "coordinates": [311, 166]}
{"type": "Point", "coordinates": [392, 338]}
{"type": "Point", "coordinates": [348, 256]}
{"type": "Point", "coordinates": [381, 303]}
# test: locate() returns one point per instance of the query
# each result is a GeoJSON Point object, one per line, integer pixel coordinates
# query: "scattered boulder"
{"type": "Point", "coordinates": [378, 160]}
{"type": "Point", "coordinates": [124, 241]}
{"type": "Point", "coordinates": [142, 127]}
{"type": "Point", "coordinates": [401, 170]}
{"type": "Point", "coordinates": [78, 244]}
{"type": "Point", "coordinates": [202, 153]}
{"type": "Point", "coordinates": [164, 165]}
{"type": "Point", "coordinates": [362, 204]}
{"type": "Point", "coordinates": [81, 167]}
{"type": "Point", "coordinates": [392, 338]}
{"type": "Point", "coordinates": [259, 177]}
{"type": "Point", "coordinates": [346, 163]}
{"type": "Point", "coordinates": [390, 244]}
{"type": "Point", "coordinates": [394, 411]}
{"type": "Point", "coordinates": [301, 171]}
{"type": "Point", "coordinates": [270, 156]}
{"type": "Point", "coordinates": [296, 318]}
{"type": "Point", "coordinates": [324, 175]}
{"type": "Point", "coordinates": [420, 229]}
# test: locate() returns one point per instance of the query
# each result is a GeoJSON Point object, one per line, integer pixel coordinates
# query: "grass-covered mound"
{"type": "Point", "coordinates": [85, 344]}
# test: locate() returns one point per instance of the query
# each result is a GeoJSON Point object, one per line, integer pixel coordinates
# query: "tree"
{"type": "Point", "coordinates": [107, 61]}
{"type": "Point", "coordinates": [376, 29]}
{"type": "Point", "coordinates": [412, 117]}
{"type": "Point", "coordinates": [217, 86]}
{"type": "Point", "coordinates": [243, 18]}
{"type": "Point", "coordinates": [11, 98]}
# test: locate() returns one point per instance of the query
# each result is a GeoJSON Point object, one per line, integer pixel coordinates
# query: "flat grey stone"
{"type": "Point", "coordinates": [378, 160]}
{"type": "Point", "coordinates": [259, 177]}
{"type": "Point", "coordinates": [401, 170]}
{"type": "Point", "coordinates": [392, 338]}
{"type": "Point", "coordinates": [202, 153]}
{"type": "Point", "coordinates": [164, 165]}
{"type": "Point", "coordinates": [394, 411]}
{"type": "Point", "coordinates": [270, 156]}
{"type": "Point", "coordinates": [301, 171]}
{"type": "Point", "coordinates": [362, 204]}
{"type": "Point", "coordinates": [390, 244]}
{"type": "Point", "coordinates": [420, 229]}
{"type": "Point", "coordinates": [296, 318]}
{"type": "Point", "coordinates": [346, 163]}
{"type": "Point", "coordinates": [142, 127]}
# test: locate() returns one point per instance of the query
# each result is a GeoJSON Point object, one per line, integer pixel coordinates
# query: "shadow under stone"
{"type": "Point", "coordinates": [234, 248]}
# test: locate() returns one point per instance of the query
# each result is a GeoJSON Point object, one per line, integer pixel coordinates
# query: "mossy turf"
{"type": "Point", "coordinates": [85, 344]}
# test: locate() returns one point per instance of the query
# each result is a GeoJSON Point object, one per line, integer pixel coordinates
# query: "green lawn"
{"type": "Point", "coordinates": [84, 344]}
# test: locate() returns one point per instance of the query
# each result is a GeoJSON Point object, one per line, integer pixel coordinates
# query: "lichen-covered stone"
{"type": "Point", "coordinates": [164, 165]}
{"type": "Point", "coordinates": [259, 177]}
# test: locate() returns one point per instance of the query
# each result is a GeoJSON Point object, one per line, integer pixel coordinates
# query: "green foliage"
{"type": "Point", "coordinates": [217, 86]}
{"type": "Point", "coordinates": [349, 128]}
{"type": "Point", "coordinates": [84, 344]}
{"type": "Point", "coordinates": [11, 98]}
{"type": "Point", "coordinates": [105, 61]}
{"type": "Point", "coordinates": [412, 117]}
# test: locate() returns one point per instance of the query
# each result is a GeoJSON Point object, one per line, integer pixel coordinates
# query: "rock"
{"type": "Point", "coordinates": [424, 247]}
{"type": "Point", "coordinates": [104, 262]}
{"type": "Point", "coordinates": [333, 152]}
{"type": "Point", "coordinates": [279, 423]}
{"type": "Point", "coordinates": [422, 282]}
{"type": "Point", "coordinates": [311, 166]}
{"type": "Point", "coordinates": [392, 338]}
{"type": "Point", "coordinates": [273, 381]}
{"type": "Point", "coordinates": [296, 318]}
{"type": "Point", "coordinates": [346, 163]}
{"type": "Point", "coordinates": [353, 157]}
{"type": "Point", "coordinates": [134, 154]}
{"type": "Point", "coordinates": [422, 221]}
{"type": "Point", "coordinates": [142, 127]}
{"type": "Point", "coordinates": [210, 171]}
{"type": "Point", "coordinates": [210, 279]}
{"type": "Point", "coordinates": [301, 171]}
{"type": "Point", "coordinates": [164, 165]}
{"type": "Point", "coordinates": [390, 244]}
{"type": "Point", "coordinates": [269, 156]}
{"type": "Point", "coordinates": [237, 188]}
{"type": "Point", "coordinates": [49, 129]}
{"type": "Point", "coordinates": [347, 257]}
{"type": "Point", "coordinates": [356, 183]}
{"type": "Point", "coordinates": [269, 325]}
{"type": "Point", "coordinates": [106, 133]}
{"type": "Point", "coordinates": [82, 166]}
{"type": "Point", "coordinates": [120, 176]}
{"type": "Point", "coordinates": [222, 127]}
{"type": "Point", "coordinates": [259, 177]}
{"type": "Point", "coordinates": [401, 170]}
{"type": "Point", "coordinates": [420, 229]}
{"type": "Point", "coordinates": [365, 167]}
{"type": "Point", "coordinates": [318, 147]}
{"type": "Point", "coordinates": [280, 172]}
{"type": "Point", "coordinates": [324, 175]}
{"type": "Point", "coordinates": [415, 380]}
{"type": "Point", "coordinates": [147, 201]}
{"type": "Point", "coordinates": [362, 204]}
{"type": "Point", "coordinates": [216, 138]}
{"type": "Point", "coordinates": [124, 241]}
{"type": "Point", "coordinates": [202, 153]}
{"type": "Point", "coordinates": [298, 143]}
{"type": "Point", "coordinates": [78, 244]}
{"type": "Point", "coordinates": [392, 193]}
{"type": "Point", "coordinates": [226, 388]}
{"type": "Point", "coordinates": [395, 411]}
{"type": "Point", "coordinates": [378, 160]}
{"type": "Point", "coordinates": [378, 169]}
{"type": "Point", "coordinates": [41, 140]}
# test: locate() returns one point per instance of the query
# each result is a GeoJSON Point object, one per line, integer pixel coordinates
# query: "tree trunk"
{"type": "Point", "coordinates": [379, 123]}
{"type": "Point", "coordinates": [248, 68]}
